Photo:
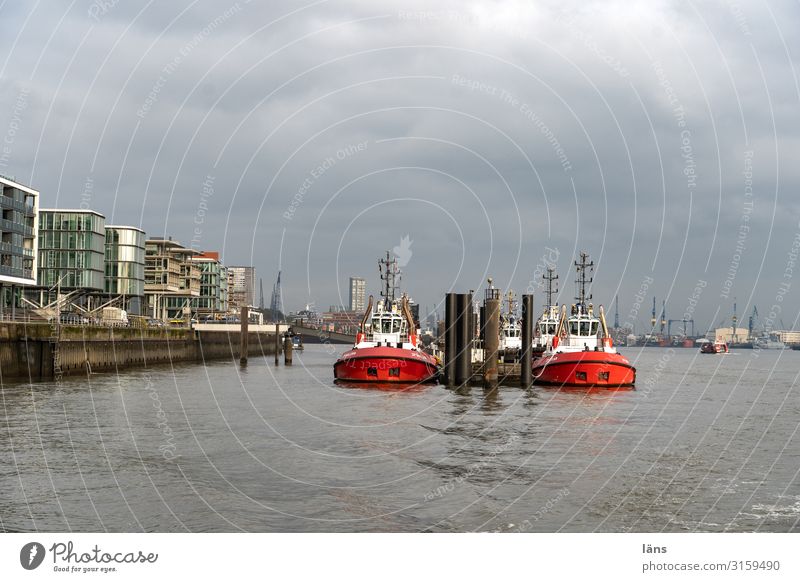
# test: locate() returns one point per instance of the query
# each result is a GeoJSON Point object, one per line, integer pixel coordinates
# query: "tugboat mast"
{"type": "Point", "coordinates": [552, 288]}
{"type": "Point", "coordinates": [583, 280]}
{"type": "Point", "coordinates": [390, 273]}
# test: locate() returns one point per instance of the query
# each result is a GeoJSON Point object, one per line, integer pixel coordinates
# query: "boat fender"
{"type": "Point", "coordinates": [555, 341]}
{"type": "Point", "coordinates": [359, 337]}
{"type": "Point", "coordinates": [608, 342]}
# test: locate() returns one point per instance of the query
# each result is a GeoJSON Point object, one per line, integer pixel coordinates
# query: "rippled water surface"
{"type": "Point", "coordinates": [705, 443]}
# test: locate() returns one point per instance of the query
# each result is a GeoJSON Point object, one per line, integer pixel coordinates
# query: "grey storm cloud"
{"type": "Point", "coordinates": [484, 131]}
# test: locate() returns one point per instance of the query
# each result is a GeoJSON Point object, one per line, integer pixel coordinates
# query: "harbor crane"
{"type": "Point", "coordinates": [653, 317]}
{"type": "Point", "coordinates": [752, 320]}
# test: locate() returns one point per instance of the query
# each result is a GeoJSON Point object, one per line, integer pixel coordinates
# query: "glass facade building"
{"type": "Point", "coordinates": [124, 266]}
{"type": "Point", "coordinates": [72, 250]}
{"type": "Point", "coordinates": [213, 284]}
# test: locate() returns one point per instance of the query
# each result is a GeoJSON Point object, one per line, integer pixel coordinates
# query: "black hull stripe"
{"type": "Point", "coordinates": [570, 385]}
{"type": "Point", "coordinates": [403, 358]}
{"type": "Point", "coordinates": [387, 381]}
{"type": "Point", "coordinates": [578, 363]}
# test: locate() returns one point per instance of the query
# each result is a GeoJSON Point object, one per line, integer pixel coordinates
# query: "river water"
{"type": "Point", "coordinates": [705, 443]}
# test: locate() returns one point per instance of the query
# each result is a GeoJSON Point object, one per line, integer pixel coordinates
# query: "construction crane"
{"type": "Point", "coordinates": [616, 312]}
{"type": "Point", "coordinates": [276, 303]}
{"type": "Point", "coordinates": [663, 316]}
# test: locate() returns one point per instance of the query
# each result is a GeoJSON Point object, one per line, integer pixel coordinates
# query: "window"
{"type": "Point", "coordinates": [394, 372]}
{"type": "Point", "coordinates": [602, 376]}
{"type": "Point", "coordinates": [584, 328]}
{"type": "Point", "coordinates": [580, 376]}
{"type": "Point", "coordinates": [372, 372]}
{"type": "Point", "coordinates": [573, 328]}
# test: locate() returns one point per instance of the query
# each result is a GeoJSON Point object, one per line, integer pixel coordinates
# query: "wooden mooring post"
{"type": "Point", "coordinates": [491, 344]}
{"type": "Point", "coordinates": [244, 333]}
{"type": "Point", "coordinates": [288, 347]}
{"type": "Point", "coordinates": [450, 339]}
{"type": "Point", "coordinates": [277, 343]}
{"type": "Point", "coordinates": [525, 373]}
{"type": "Point", "coordinates": [463, 359]}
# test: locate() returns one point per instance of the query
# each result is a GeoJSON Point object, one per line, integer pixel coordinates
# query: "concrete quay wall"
{"type": "Point", "coordinates": [35, 350]}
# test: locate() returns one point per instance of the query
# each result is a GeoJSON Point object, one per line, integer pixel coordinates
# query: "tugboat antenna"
{"type": "Point", "coordinates": [552, 288]}
{"type": "Point", "coordinates": [390, 273]}
{"type": "Point", "coordinates": [583, 280]}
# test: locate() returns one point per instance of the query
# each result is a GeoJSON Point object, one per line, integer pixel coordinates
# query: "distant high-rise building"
{"type": "Point", "coordinates": [241, 286]}
{"type": "Point", "coordinates": [358, 294]}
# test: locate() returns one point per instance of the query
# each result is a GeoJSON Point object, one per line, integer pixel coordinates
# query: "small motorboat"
{"type": "Point", "coordinates": [716, 347]}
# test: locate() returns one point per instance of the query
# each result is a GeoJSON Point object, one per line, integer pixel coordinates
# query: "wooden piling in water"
{"type": "Point", "coordinates": [463, 349]}
{"type": "Point", "coordinates": [288, 347]}
{"type": "Point", "coordinates": [450, 338]}
{"type": "Point", "coordinates": [525, 375]}
{"type": "Point", "coordinates": [277, 343]}
{"type": "Point", "coordinates": [244, 335]}
{"type": "Point", "coordinates": [492, 333]}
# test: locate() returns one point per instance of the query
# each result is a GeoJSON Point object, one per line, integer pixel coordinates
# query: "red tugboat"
{"type": "Point", "coordinates": [717, 347]}
{"type": "Point", "coordinates": [387, 350]}
{"type": "Point", "coordinates": [581, 353]}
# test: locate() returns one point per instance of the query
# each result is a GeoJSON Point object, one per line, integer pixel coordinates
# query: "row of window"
{"type": "Point", "coordinates": [70, 260]}
{"type": "Point", "coordinates": [124, 286]}
{"type": "Point", "coordinates": [132, 238]}
{"type": "Point", "coordinates": [124, 253]}
{"type": "Point", "coordinates": [71, 222]}
{"type": "Point", "coordinates": [125, 270]}
{"type": "Point", "coordinates": [78, 278]}
{"type": "Point", "coordinates": [49, 239]}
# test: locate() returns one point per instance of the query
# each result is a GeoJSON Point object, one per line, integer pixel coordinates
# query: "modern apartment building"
{"type": "Point", "coordinates": [19, 240]}
{"type": "Point", "coordinates": [124, 266]}
{"type": "Point", "coordinates": [171, 279]}
{"type": "Point", "coordinates": [358, 294]}
{"type": "Point", "coordinates": [71, 255]}
{"type": "Point", "coordinates": [213, 284]}
{"type": "Point", "coordinates": [241, 286]}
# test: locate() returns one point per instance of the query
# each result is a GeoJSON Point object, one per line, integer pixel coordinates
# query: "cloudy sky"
{"type": "Point", "coordinates": [659, 136]}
